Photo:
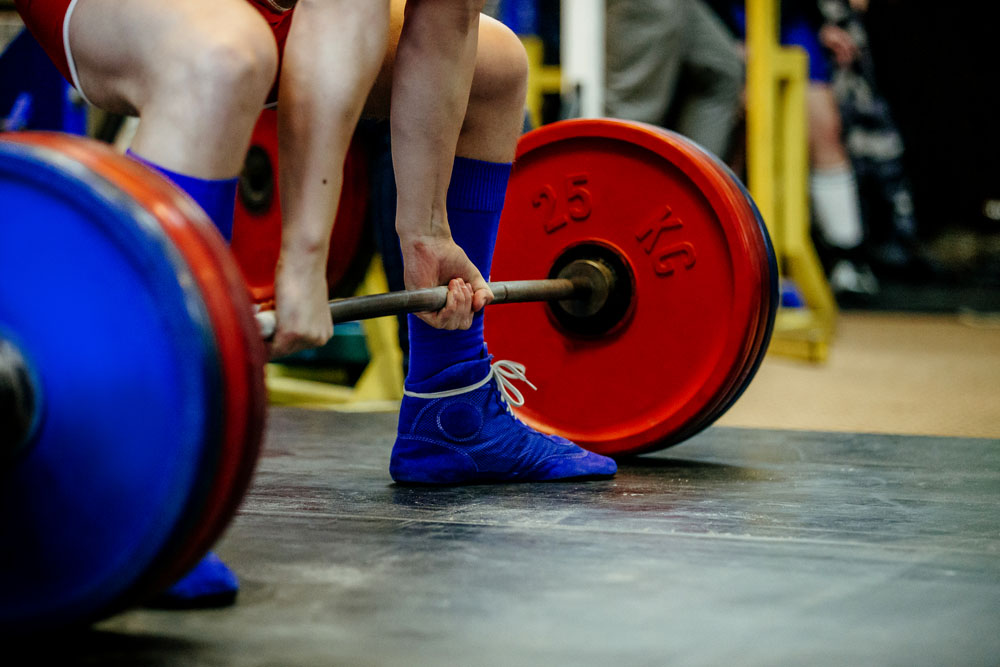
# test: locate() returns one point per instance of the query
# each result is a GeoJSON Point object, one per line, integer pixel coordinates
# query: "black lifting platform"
{"type": "Point", "coordinates": [739, 547]}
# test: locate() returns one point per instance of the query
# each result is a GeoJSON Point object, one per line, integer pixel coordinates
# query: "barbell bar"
{"type": "Point", "coordinates": [583, 289]}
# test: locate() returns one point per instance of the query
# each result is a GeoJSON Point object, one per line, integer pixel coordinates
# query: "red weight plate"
{"type": "Point", "coordinates": [240, 347]}
{"type": "Point", "coordinates": [769, 302]}
{"type": "Point", "coordinates": [697, 283]}
{"type": "Point", "coordinates": [257, 222]}
{"type": "Point", "coordinates": [759, 349]}
{"type": "Point", "coordinates": [753, 234]}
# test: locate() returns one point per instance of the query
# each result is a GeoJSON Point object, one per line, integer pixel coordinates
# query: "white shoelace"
{"type": "Point", "coordinates": [503, 371]}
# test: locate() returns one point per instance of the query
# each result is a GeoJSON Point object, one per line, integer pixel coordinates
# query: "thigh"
{"type": "Point", "coordinates": [119, 51]}
{"type": "Point", "coordinates": [490, 33]}
{"type": "Point", "coordinates": [825, 142]}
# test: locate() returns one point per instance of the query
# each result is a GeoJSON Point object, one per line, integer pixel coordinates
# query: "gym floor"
{"type": "Point", "coordinates": [741, 546]}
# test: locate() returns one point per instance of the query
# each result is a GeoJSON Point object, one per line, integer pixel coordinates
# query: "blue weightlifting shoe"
{"type": "Point", "coordinates": [465, 433]}
{"type": "Point", "coordinates": [209, 584]}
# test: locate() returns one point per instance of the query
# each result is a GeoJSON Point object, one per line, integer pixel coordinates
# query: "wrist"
{"type": "Point", "coordinates": [430, 228]}
{"type": "Point", "coordinates": [297, 263]}
{"type": "Point", "coordinates": [422, 239]}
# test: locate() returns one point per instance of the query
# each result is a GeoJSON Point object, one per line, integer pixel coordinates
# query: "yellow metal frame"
{"type": "Point", "coordinates": [380, 387]}
{"type": "Point", "coordinates": [542, 78]}
{"type": "Point", "coordinates": [778, 170]}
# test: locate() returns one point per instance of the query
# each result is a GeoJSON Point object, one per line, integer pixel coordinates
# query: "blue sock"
{"type": "Point", "coordinates": [475, 200]}
{"type": "Point", "coordinates": [216, 197]}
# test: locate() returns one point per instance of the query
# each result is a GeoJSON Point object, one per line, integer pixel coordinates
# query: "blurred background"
{"type": "Point", "coordinates": [935, 64]}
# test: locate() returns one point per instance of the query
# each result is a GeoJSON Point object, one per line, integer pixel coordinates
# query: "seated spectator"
{"type": "Point", "coordinates": [832, 185]}
{"type": "Point", "coordinates": [872, 140]}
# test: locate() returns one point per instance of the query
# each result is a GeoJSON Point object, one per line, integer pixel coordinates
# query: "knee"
{"type": "Point", "coordinates": [501, 75]}
{"type": "Point", "coordinates": [824, 116]}
{"type": "Point", "coordinates": [235, 66]}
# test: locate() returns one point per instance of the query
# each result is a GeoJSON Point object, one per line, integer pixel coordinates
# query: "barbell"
{"type": "Point", "coordinates": [131, 360]}
{"type": "Point", "coordinates": [584, 292]}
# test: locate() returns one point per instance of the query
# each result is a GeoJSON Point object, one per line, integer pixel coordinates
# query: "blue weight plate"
{"type": "Point", "coordinates": [112, 324]}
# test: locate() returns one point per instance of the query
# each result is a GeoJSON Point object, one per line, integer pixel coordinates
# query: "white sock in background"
{"type": "Point", "coordinates": [835, 203]}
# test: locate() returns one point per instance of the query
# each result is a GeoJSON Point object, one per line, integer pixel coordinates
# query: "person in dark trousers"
{"type": "Point", "coordinates": [672, 63]}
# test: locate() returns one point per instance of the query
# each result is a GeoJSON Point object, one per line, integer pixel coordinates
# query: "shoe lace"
{"type": "Point", "coordinates": [504, 371]}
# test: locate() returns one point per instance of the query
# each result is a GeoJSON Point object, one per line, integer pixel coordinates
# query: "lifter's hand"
{"type": "Point", "coordinates": [301, 309]}
{"type": "Point", "coordinates": [434, 261]}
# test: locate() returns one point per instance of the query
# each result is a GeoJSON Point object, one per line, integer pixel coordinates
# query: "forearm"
{"type": "Point", "coordinates": [333, 53]}
{"type": "Point", "coordinates": [432, 77]}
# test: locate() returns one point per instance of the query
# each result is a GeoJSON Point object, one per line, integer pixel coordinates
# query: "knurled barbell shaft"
{"type": "Point", "coordinates": [434, 298]}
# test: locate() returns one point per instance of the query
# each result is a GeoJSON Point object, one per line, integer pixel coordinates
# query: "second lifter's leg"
{"type": "Point", "coordinates": [450, 430]}
{"type": "Point", "coordinates": [197, 73]}
{"type": "Point", "coordinates": [834, 192]}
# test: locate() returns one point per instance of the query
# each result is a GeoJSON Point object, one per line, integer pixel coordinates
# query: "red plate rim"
{"type": "Point", "coordinates": [241, 350]}
{"type": "Point", "coordinates": [244, 356]}
{"type": "Point", "coordinates": [755, 342]}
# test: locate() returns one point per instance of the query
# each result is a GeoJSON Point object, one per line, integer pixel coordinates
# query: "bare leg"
{"type": "Point", "coordinates": [494, 115]}
{"type": "Point", "coordinates": [834, 193]}
{"type": "Point", "coordinates": [831, 181]}
{"type": "Point", "coordinates": [196, 72]}
{"type": "Point", "coordinates": [826, 145]}
{"type": "Point", "coordinates": [332, 56]}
